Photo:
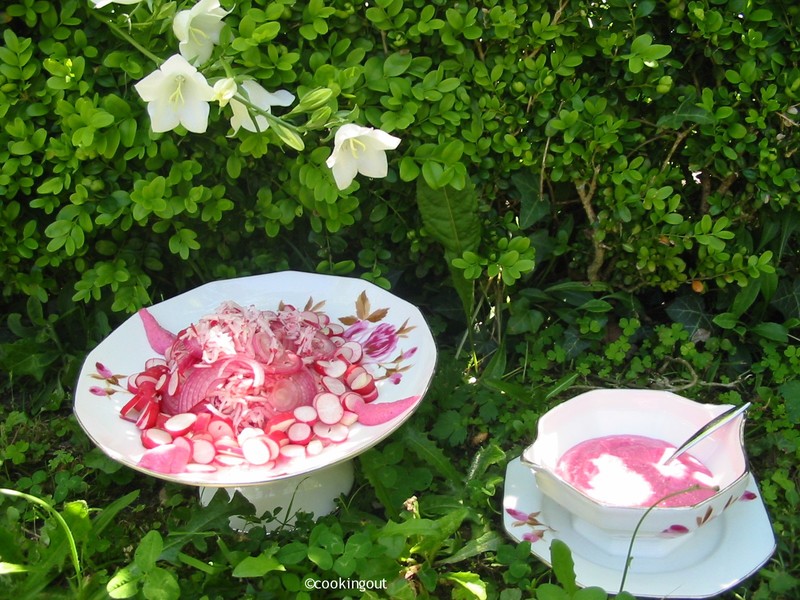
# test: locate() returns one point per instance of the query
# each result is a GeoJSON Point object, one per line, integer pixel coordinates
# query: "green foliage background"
{"type": "Point", "coordinates": [607, 190]}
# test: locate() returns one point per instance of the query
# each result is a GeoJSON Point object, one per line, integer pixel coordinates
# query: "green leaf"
{"type": "Point", "coordinates": [125, 582]}
{"type": "Point", "coordinates": [470, 582]}
{"type": "Point", "coordinates": [550, 591]}
{"type": "Point", "coordinates": [726, 320]}
{"type": "Point", "coordinates": [214, 517]}
{"type": "Point", "coordinates": [590, 593]}
{"type": "Point", "coordinates": [396, 64]}
{"type": "Point", "coordinates": [430, 454]}
{"type": "Point", "coordinates": [488, 542]}
{"type": "Point", "coordinates": [687, 111]}
{"type": "Point", "coordinates": [690, 312]}
{"type": "Point", "coordinates": [563, 565]}
{"type": "Point", "coordinates": [148, 550]}
{"type": "Point", "coordinates": [771, 331]}
{"type": "Point", "coordinates": [787, 298]}
{"type": "Point", "coordinates": [533, 208]}
{"type": "Point", "coordinates": [258, 566]}
{"type": "Point", "coordinates": [450, 216]}
{"type": "Point", "coordinates": [160, 584]}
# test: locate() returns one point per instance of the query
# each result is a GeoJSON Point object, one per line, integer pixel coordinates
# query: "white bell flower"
{"type": "Point", "coordinates": [197, 30]}
{"type": "Point", "coordinates": [176, 94]}
{"type": "Point", "coordinates": [260, 98]}
{"type": "Point", "coordinates": [224, 90]}
{"type": "Point", "coordinates": [362, 150]}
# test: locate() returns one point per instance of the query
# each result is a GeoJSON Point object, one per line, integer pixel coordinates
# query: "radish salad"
{"type": "Point", "coordinates": [244, 387]}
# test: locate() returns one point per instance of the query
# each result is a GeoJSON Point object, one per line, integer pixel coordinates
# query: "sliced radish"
{"type": "Point", "coordinates": [180, 423]}
{"type": "Point", "coordinates": [310, 317]}
{"type": "Point", "coordinates": [147, 418]}
{"type": "Point", "coordinates": [279, 437]}
{"type": "Point", "coordinates": [256, 451]}
{"type": "Point", "coordinates": [305, 414]}
{"type": "Point", "coordinates": [183, 443]}
{"type": "Point", "coordinates": [168, 458]}
{"type": "Point", "coordinates": [227, 460]}
{"type": "Point", "coordinates": [219, 429]}
{"type": "Point", "coordinates": [335, 368]}
{"type": "Point", "coordinates": [334, 385]}
{"type": "Point", "coordinates": [274, 446]}
{"type": "Point", "coordinates": [228, 446]}
{"type": "Point", "coordinates": [314, 447]}
{"type": "Point", "coordinates": [329, 408]}
{"type": "Point", "coordinates": [351, 401]}
{"type": "Point", "coordinates": [335, 329]}
{"type": "Point", "coordinates": [279, 422]}
{"type": "Point", "coordinates": [293, 451]}
{"type": "Point", "coordinates": [370, 396]}
{"type": "Point", "coordinates": [335, 433]}
{"type": "Point", "coordinates": [203, 451]}
{"type": "Point", "coordinates": [351, 352]}
{"type": "Point", "coordinates": [348, 418]}
{"type": "Point", "coordinates": [249, 432]}
{"type": "Point", "coordinates": [155, 437]}
{"type": "Point", "coordinates": [202, 422]}
{"type": "Point", "coordinates": [299, 433]}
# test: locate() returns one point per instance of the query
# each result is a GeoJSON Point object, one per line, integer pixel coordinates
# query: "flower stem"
{"type": "Point", "coordinates": [127, 37]}
{"type": "Point", "coordinates": [629, 556]}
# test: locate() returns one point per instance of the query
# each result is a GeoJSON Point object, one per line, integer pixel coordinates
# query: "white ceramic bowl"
{"type": "Point", "coordinates": [660, 415]}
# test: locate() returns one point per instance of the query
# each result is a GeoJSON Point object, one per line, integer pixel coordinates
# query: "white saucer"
{"type": "Point", "coordinates": [721, 554]}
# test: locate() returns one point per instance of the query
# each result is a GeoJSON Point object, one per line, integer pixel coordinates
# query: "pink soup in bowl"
{"type": "Point", "coordinates": [601, 457]}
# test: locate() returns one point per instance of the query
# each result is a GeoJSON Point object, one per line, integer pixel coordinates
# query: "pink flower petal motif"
{"type": "Point", "coordinates": [534, 536]}
{"type": "Point", "coordinates": [517, 514]}
{"type": "Point", "coordinates": [396, 378]}
{"type": "Point", "coordinates": [408, 353]}
{"type": "Point", "coordinates": [98, 391]}
{"type": "Point", "coordinates": [748, 495]}
{"type": "Point", "coordinates": [103, 371]}
{"type": "Point", "coordinates": [531, 520]}
{"type": "Point", "coordinates": [674, 531]}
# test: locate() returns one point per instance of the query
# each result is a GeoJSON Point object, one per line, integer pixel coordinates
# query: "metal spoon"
{"type": "Point", "coordinates": [707, 429]}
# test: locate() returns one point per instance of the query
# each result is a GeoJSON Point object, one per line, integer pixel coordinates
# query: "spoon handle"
{"type": "Point", "coordinates": [707, 429]}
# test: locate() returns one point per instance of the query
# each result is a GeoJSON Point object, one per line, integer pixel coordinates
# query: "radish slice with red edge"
{"type": "Point", "coordinates": [256, 452]}
{"type": "Point", "coordinates": [181, 423]}
{"type": "Point", "coordinates": [335, 433]}
{"type": "Point", "coordinates": [280, 422]}
{"type": "Point", "coordinates": [329, 408]}
{"type": "Point", "coordinates": [305, 414]}
{"type": "Point", "coordinates": [300, 433]}
{"type": "Point", "coordinates": [155, 437]}
{"type": "Point", "coordinates": [219, 429]}
{"type": "Point", "coordinates": [334, 385]}
{"type": "Point", "coordinates": [203, 451]}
